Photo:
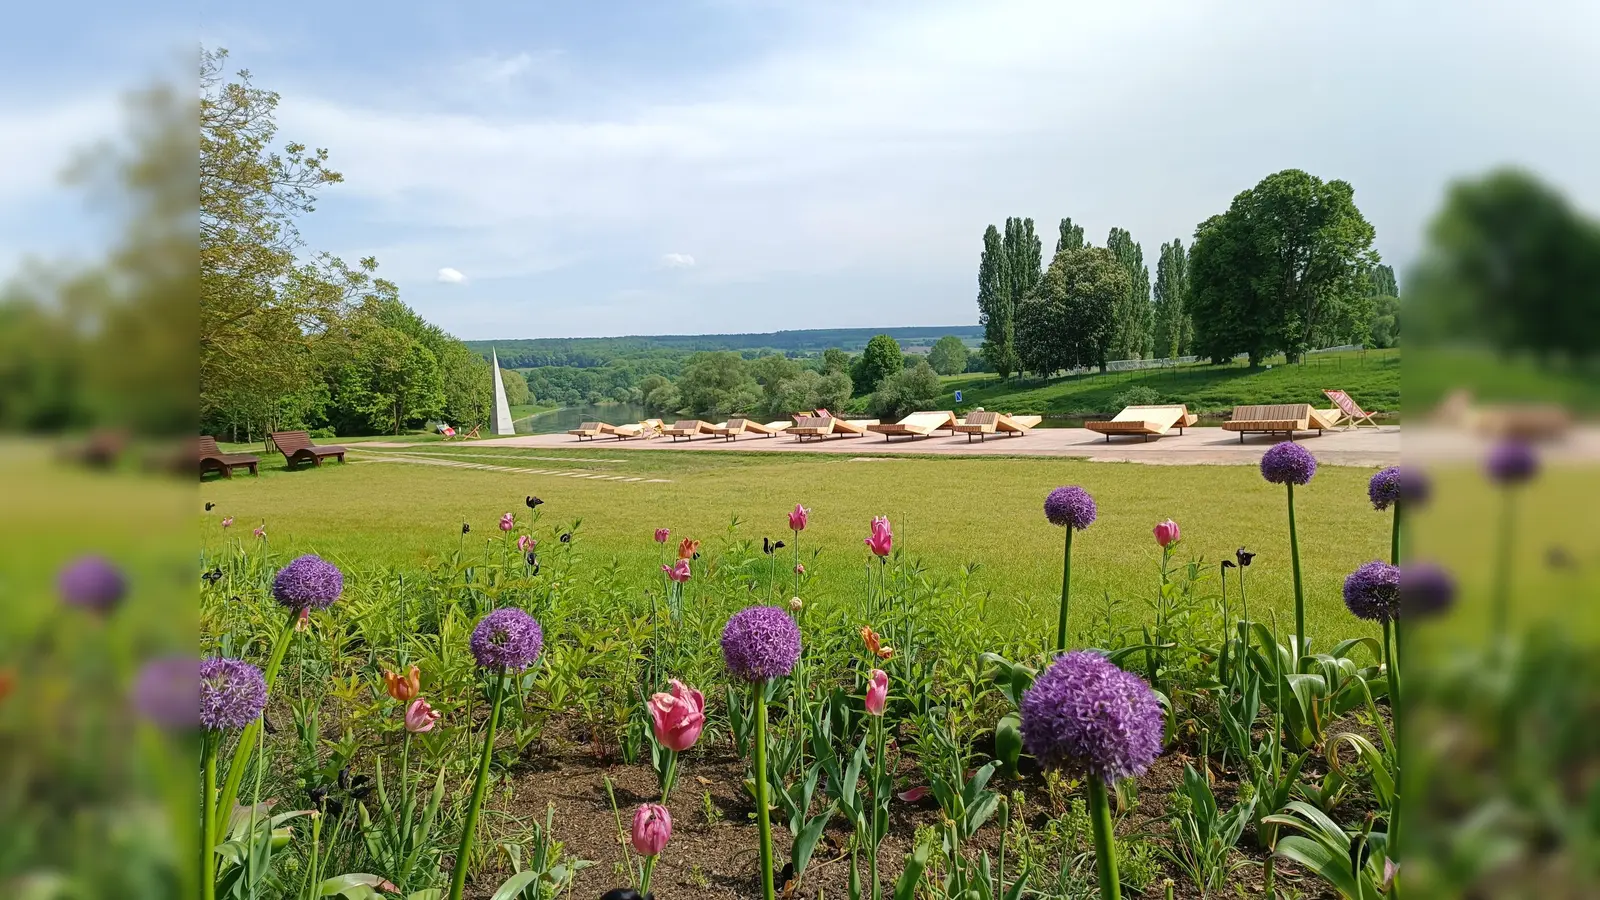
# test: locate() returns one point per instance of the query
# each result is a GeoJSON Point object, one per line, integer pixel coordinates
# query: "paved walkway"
{"type": "Point", "coordinates": [1197, 446]}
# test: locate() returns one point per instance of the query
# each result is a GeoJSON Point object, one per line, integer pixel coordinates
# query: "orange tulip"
{"type": "Point", "coordinates": [403, 688]}
{"type": "Point", "coordinates": [875, 644]}
{"type": "Point", "coordinates": [688, 548]}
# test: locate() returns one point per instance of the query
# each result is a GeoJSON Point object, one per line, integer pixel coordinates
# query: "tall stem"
{"type": "Point", "coordinates": [797, 563]}
{"type": "Point", "coordinates": [1066, 587]}
{"type": "Point", "coordinates": [878, 803]}
{"type": "Point", "coordinates": [1394, 537]}
{"type": "Point", "coordinates": [1502, 573]}
{"type": "Point", "coordinates": [1303, 644]}
{"type": "Point", "coordinates": [208, 826]}
{"type": "Point", "coordinates": [247, 739]}
{"type": "Point", "coordinates": [1391, 666]}
{"type": "Point", "coordinates": [1105, 849]}
{"type": "Point", "coordinates": [763, 818]}
{"type": "Point", "coordinates": [458, 879]}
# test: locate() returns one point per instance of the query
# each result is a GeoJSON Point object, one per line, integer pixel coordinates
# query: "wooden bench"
{"type": "Point", "coordinates": [1283, 418]}
{"type": "Point", "coordinates": [297, 448]}
{"type": "Point", "coordinates": [212, 459]}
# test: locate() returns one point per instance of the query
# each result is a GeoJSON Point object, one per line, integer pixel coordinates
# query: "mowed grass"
{"type": "Point", "coordinates": [1372, 377]}
{"type": "Point", "coordinates": [951, 514]}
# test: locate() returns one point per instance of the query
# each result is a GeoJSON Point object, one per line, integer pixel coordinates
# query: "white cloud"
{"type": "Point", "coordinates": [677, 260]}
{"type": "Point", "coordinates": [451, 276]}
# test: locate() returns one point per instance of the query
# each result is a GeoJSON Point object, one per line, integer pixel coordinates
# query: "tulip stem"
{"type": "Point", "coordinates": [1303, 644]}
{"type": "Point", "coordinates": [247, 738]}
{"type": "Point", "coordinates": [644, 879]}
{"type": "Point", "coordinates": [458, 878]}
{"type": "Point", "coordinates": [669, 773]}
{"type": "Point", "coordinates": [208, 827]}
{"type": "Point", "coordinates": [763, 818]}
{"type": "Point", "coordinates": [1105, 849]}
{"type": "Point", "coordinates": [1066, 586]}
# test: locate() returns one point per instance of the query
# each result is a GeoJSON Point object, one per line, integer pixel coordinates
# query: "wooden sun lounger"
{"type": "Point", "coordinates": [918, 424]}
{"type": "Point", "coordinates": [1284, 418]}
{"type": "Point", "coordinates": [779, 427]}
{"type": "Point", "coordinates": [213, 459]}
{"type": "Point", "coordinates": [687, 429]}
{"type": "Point", "coordinates": [852, 427]}
{"type": "Point", "coordinates": [981, 424]}
{"type": "Point", "coordinates": [1351, 408]}
{"type": "Point", "coordinates": [1328, 419]}
{"type": "Point", "coordinates": [297, 448]}
{"type": "Point", "coordinates": [592, 430]}
{"type": "Point", "coordinates": [1145, 421]}
{"type": "Point", "coordinates": [818, 427]}
{"type": "Point", "coordinates": [735, 427]}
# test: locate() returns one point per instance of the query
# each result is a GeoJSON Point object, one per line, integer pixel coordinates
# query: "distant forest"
{"type": "Point", "coordinates": [588, 353]}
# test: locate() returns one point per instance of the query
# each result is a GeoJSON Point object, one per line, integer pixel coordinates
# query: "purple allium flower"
{"type": "Point", "coordinates": [1288, 463]}
{"type": "Point", "coordinates": [232, 693]}
{"type": "Point", "coordinates": [1513, 462]}
{"type": "Point", "coordinates": [167, 692]}
{"type": "Point", "coordinates": [1084, 714]}
{"type": "Point", "coordinates": [507, 637]}
{"type": "Point", "coordinates": [92, 583]}
{"type": "Point", "coordinates": [1372, 592]}
{"type": "Point", "coordinates": [309, 582]}
{"type": "Point", "coordinates": [1070, 506]}
{"type": "Point", "coordinates": [1384, 488]}
{"type": "Point", "coordinates": [761, 643]}
{"type": "Point", "coordinates": [1426, 590]}
{"type": "Point", "coordinates": [1415, 488]}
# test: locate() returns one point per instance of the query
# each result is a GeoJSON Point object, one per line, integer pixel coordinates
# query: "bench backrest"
{"type": "Point", "coordinates": [813, 421]}
{"type": "Point", "coordinates": [982, 418]}
{"type": "Point", "coordinates": [290, 441]}
{"type": "Point", "coordinates": [1275, 413]}
{"type": "Point", "coordinates": [686, 425]}
{"type": "Point", "coordinates": [208, 446]}
{"type": "Point", "coordinates": [736, 424]}
{"type": "Point", "coordinates": [589, 426]}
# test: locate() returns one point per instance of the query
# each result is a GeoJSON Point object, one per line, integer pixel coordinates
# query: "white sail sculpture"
{"type": "Point", "coordinates": [502, 409]}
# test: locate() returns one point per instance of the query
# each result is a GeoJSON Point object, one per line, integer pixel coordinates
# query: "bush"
{"type": "Point", "coordinates": [1138, 395]}
{"type": "Point", "coordinates": [906, 392]}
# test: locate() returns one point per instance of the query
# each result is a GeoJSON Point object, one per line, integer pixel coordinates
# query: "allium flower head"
{"type": "Point", "coordinates": [232, 693]}
{"type": "Point", "coordinates": [1086, 715]}
{"type": "Point", "coordinates": [1426, 590]}
{"type": "Point", "coordinates": [1512, 462]}
{"type": "Point", "coordinates": [309, 582]}
{"type": "Point", "coordinates": [1415, 488]}
{"type": "Point", "coordinates": [1288, 463]}
{"type": "Point", "coordinates": [1384, 488]}
{"type": "Point", "coordinates": [167, 692]}
{"type": "Point", "coordinates": [1372, 592]}
{"type": "Point", "coordinates": [507, 637]}
{"type": "Point", "coordinates": [1070, 506]}
{"type": "Point", "coordinates": [92, 583]}
{"type": "Point", "coordinates": [760, 643]}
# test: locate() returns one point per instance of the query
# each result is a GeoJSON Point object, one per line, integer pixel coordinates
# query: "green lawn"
{"type": "Point", "coordinates": [985, 514]}
{"type": "Point", "coordinates": [1433, 373]}
{"type": "Point", "coordinates": [1372, 377]}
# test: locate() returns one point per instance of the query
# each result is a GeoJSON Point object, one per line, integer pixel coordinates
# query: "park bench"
{"type": "Point", "coordinates": [212, 459]}
{"type": "Point", "coordinates": [297, 448]}
{"type": "Point", "coordinates": [1145, 421]}
{"type": "Point", "coordinates": [1282, 418]}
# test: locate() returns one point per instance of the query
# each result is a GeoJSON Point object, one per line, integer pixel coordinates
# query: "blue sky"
{"type": "Point", "coordinates": [748, 165]}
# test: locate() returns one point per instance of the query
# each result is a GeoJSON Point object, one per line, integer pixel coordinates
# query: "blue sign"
{"type": "Point", "coordinates": [958, 396]}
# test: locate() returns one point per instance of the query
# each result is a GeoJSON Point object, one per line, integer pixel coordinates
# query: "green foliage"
{"type": "Point", "coordinates": [881, 359]}
{"type": "Point", "coordinates": [1284, 269]}
{"type": "Point", "coordinates": [811, 390]}
{"type": "Point", "coordinates": [906, 391]}
{"type": "Point", "coordinates": [1131, 324]}
{"type": "Point", "coordinates": [948, 356]}
{"type": "Point", "coordinates": [835, 360]}
{"type": "Point", "coordinates": [1171, 329]}
{"type": "Point", "coordinates": [1070, 236]}
{"type": "Point", "coordinates": [995, 310]}
{"type": "Point", "coordinates": [1138, 395]}
{"type": "Point", "coordinates": [1511, 264]}
{"type": "Point", "coordinates": [517, 393]}
{"type": "Point", "coordinates": [718, 385]}
{"type": "Point", "coordinates": [1068, 322]}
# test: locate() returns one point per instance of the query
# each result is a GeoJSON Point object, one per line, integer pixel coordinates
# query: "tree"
{"type": "Point", "coordinates": [771, 371]}
{"type": "Point", "coordinates": [1511, 264]}
{"type": "Point", "coordinates": [948, 355]}
{"type": "Point", "coordinates": [995, 312]}
{"type": "Point", "coordinates": [1384, 327]}
{"type": "Point", "coordinates": [1022, 256]}
{"type": "Point", "coordinates": [1068, 320]}
{"type": "Point", "coordinates": [881, 359]}
{"type": "Point", "coordinates": [516, 387]}
{"type": "Point", "coordinates": [1131, 335]}
{"type": "Point", "coordinates": [811, 390]}
{"type": "Point", "coordinates": [1381, 282]}
{"type": "Point", "coordinates": [1170, 329]}
{"type": "Point", "coordinates": [717, 385]}
{"type": "Point", "coordinates": [1070, 236]}
{"type": "Point", "coordinates": [835, 360]}
{"type": "Point", "coordinates": [1284, 267]}
{"type": "Point", "coordinates": [906, 391]}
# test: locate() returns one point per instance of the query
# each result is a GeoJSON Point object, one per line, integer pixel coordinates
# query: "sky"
{"type": "Point", "coordinates": [542, 169]}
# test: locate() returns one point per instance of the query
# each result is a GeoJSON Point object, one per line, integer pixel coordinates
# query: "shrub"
{"type": "Point", "coordinates": [1138, 395]}
{"type": "Point", "coordinates": [906, 391]}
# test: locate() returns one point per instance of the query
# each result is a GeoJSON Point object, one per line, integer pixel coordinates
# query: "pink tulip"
{"type": "Point", "coordinates": [914, 794]}
{"type": "Point", "coordinates": [260, 532]}
{"type": "Point", "coordinates": [678, 717]}
{"type": "Point", "coordinates": [882, 540]}
{"type": "Point", "coordinates": [662, 534]}
{"type": "Point", "coordinates": [678, 571]}
{"type": "Point", "coordinates": [508, 522]}
{"type": "Point", "coordinates": [227, 522]}
{"type": "Point", "coordinates": [878, 692]}
{"type": "Point", "coordinates": [652, 828]}
{"type": "Point", "coordinates": [420, 717]}
{"type": "Point", "coordinates": [526, 543]}
{"type": "Point", "coordinates": [1167, 533]}
{"type": "Point", "coordinates": [798, 518]}
{"type": "Point", "coordinates": [799, 569]}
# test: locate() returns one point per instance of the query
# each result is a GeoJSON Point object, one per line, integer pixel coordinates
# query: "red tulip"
{"type": "Point", "coordinates": [678, 717]}
{"type": "Point", "coordinates": [1167, 533]}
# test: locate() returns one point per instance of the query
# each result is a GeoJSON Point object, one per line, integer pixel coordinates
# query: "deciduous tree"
{"type": "Point", "coordinates": [1170, 328]}
{"type": "Point", "coordinates": [948, 356]}
{"type": "Point", "coordinates": [1131, 327]}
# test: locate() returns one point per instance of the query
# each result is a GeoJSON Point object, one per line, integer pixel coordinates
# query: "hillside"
{"type": "Point", "coordinates": [531, 352]}
{"type": "Point", "coordinates": [1371, 377]}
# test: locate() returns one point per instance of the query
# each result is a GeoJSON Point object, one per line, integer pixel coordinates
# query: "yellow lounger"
{"type": "Point", "coordinates": [981, 424]}
{"type": "Point", "coordinates": [687, 429]}
{"type": "Point", "coordinates": [918, 424]}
